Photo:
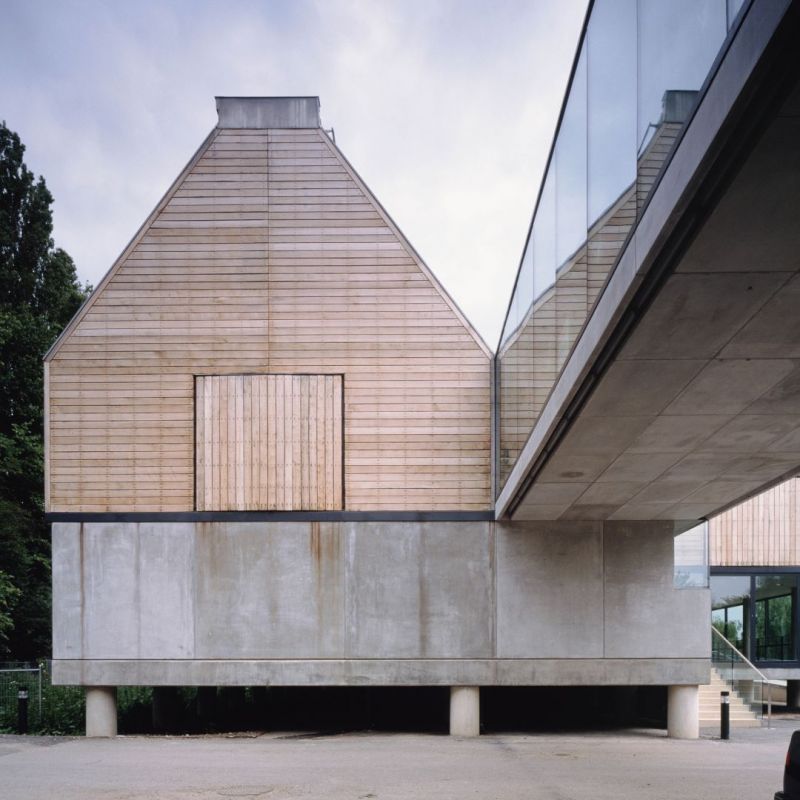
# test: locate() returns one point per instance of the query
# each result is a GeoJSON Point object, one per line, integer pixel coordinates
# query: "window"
{"type": "Point", "coordinates": [268, 442]}
{"type": "Point", "coordinates": [775, 603]}
{"type": "Point", "coordinates": [691, 558]}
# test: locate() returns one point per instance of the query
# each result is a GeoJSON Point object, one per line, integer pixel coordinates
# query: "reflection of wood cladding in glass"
{"type": "Point", "coordinates": [268, 442]}
{"type": "Point", "coordinates": [269, 255]}
{"type": "Point", "coordinates": [762, 531]}
{"type": "Point", "coordinates": [535, 353]}
{"type": "Point", "coordinates": [654, 156]}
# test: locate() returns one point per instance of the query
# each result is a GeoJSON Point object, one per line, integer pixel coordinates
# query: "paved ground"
{"type": "Point", "coordinates": [635, 764]}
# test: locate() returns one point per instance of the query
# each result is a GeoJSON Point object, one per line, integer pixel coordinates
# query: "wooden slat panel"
{"type": "Point", "coordinates": [200, 436]}
{"type": "Point", "coordinates": [295, 500]}
{"type": "Point", "coordinates": [762, 531]}
{"type": "Point", "coordinates": [336, 413]}
{"type": "Point", "coordinates": [238, 429]}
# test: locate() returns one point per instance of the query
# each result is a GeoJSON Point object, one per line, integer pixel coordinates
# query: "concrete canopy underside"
{"type": "Point", "coordinates": [700, 407]}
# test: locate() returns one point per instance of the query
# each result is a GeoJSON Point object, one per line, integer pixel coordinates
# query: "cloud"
{"type": "Point", "coordinates": [446, 108]}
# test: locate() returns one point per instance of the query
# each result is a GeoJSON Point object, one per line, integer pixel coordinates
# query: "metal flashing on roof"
{"type": "Point", "coordinates": [268, 112]}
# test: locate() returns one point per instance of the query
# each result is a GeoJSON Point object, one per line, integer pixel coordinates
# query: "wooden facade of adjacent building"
{"type": "Point", "coordinates": [761, 532]}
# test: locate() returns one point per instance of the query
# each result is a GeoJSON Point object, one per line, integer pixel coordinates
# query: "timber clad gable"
{"type": "Point", "coordinates": [268, 257]}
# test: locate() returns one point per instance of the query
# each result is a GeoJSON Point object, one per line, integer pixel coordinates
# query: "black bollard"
{"type": "Point", "coordinates": [22, 711]}
{"type": "Point", "coordinates": [724, 715]}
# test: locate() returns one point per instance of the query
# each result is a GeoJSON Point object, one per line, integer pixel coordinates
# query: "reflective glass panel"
{"type": "Point", "coordinates": [544, 237]}
{"type": "Point", "coordinates": [611, 103]}
{"type": "Point", "coordinates": [734, 7]}
{"type": "Point", "coordinates": [775, 613]}
{"type": "Point", "coordinates": [515, 388]}
{"type": "Point", "coordinates": [691, 558]}
{"type": "Point", "coordinates": [730, 601]}
{"type": "Point", "coordinates": [571, 174]}
{"type": "Point", "coordinates": [611, 167]}
{"type": "Point", "coordinates": [543, 322]}
{"type": "Point", "coordinates": [571, 177]}
{"type": "Point", "coordinates": [678, 42]}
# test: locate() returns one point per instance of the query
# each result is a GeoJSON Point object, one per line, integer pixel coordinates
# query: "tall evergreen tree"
{"type": "Point", "coordinates": [39, 293]}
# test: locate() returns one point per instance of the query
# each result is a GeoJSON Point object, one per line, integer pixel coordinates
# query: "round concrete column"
{"type": "Point", "coordinates": [465, 711]}
{"type": "Point", "coordinates": [683, 714]}
{"type": "Point", "coordinates": [101, 711]}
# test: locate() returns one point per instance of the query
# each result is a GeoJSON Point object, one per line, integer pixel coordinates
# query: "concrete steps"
{"type": "Point", "coordinates": [741, 714]}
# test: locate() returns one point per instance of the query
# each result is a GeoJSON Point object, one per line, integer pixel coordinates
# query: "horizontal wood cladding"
{"type": "Point", "coordinates": [762, 531]}
{"type": "Point", "coordinates": [268, 442]}
{"type": "Point", "coordinates": [269, 256]}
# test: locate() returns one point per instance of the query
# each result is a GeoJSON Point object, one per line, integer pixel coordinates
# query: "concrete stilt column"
{"type": "Point", "coordinates": [683, 713]}
{"type": "Point", "coordinates": [101, 711]}
{"type": "Point", "coordinates": [465, 711]}
{"type": "Point", "coordinates": [792, 694]}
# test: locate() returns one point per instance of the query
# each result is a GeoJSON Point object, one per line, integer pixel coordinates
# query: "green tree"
{"type": "Point", "coordinates": [39, 293]}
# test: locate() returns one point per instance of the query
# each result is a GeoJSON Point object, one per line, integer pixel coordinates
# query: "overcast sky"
{"type": "Point", "coordinates": [445, 107]}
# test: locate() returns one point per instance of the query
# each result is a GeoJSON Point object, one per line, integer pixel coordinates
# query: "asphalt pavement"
{"type": "Point", "coordinates": [618, 765]}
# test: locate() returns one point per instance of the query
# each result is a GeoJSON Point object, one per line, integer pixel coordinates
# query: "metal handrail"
{"type": "Point", "coordinates": [740, 654]}
{"type": "Point", "coordinates": [755, 669]}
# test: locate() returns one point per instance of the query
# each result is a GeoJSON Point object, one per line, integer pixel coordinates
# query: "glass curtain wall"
{"type": "Point", "coordinates": [730, 609]}
{"type": "Point", "coordinates": [758, 614]}
{"type": "Point", "coordinates": [691, 558]}
{"type": "Point", "coordinates": [775, 608]}
{"type": "Point", "coordinates": [636, 79]}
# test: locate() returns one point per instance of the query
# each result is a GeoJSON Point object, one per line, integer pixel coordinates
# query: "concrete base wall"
{"type": "Point", "coordinates": [373, 603]}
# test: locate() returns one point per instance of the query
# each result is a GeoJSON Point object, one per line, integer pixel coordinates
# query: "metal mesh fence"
{"type": "Point", "coordinates": [17, 678]}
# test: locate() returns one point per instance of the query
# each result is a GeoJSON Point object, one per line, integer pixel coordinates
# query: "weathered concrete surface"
{"type": "Point", "coordinates": [550, 592]}
{"type": "Point", "coordinates": [419, 590]}
{"type": "Point", "coordinates": [269, 590]}
{"type": "Point", "coordinates": [600, 766]}
{"type": "Point", "coordinates": [68, 605]}
{"type": "Point", "coordinates": [645, 616]}
{"type": "Point", "coordinates": [358, 603]}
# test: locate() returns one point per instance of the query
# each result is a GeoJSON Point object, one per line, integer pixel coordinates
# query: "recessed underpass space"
{"type": "Point", "coordinates": [309, 710]}
{"type": "Point", "coordinates": [315, 709]}
{"type": "Point", "coordinates": [520, 709]}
